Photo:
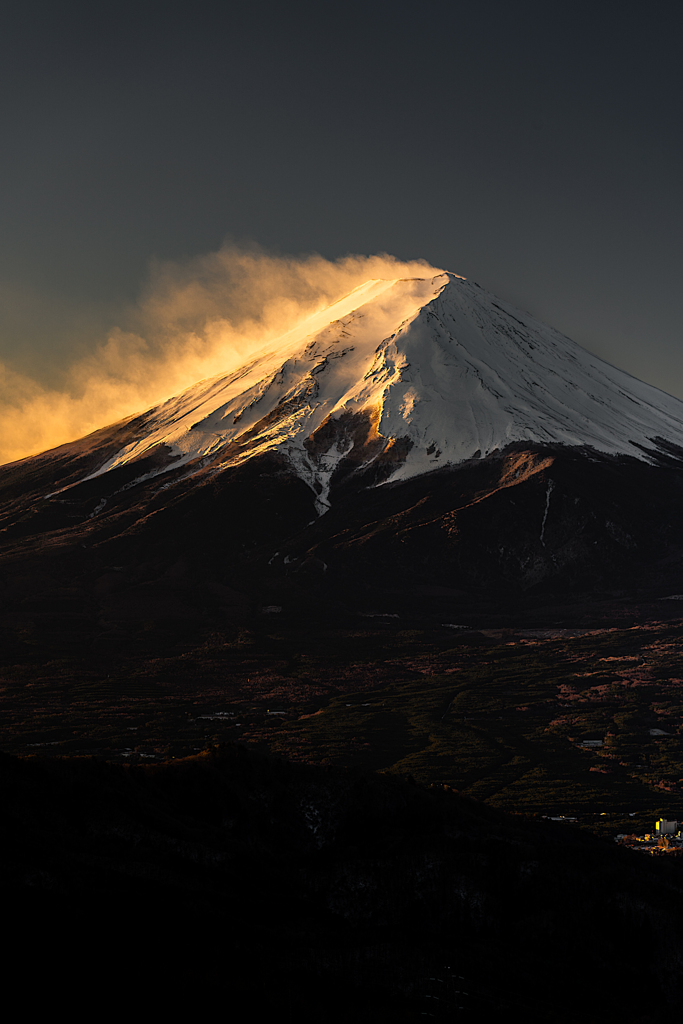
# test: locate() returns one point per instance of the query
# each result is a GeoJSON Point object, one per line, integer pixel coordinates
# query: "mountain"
{"type": "Point", "coordinates": [418, 441]}
{"type": "Point", "coordinates": [406, 376]}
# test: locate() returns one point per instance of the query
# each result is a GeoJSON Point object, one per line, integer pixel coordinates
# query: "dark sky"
{"type": "Point", "coordinates": [533, 147]}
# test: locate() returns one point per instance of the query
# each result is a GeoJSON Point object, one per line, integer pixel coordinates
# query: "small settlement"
{"type": "Point", "coordinates": [667, 839]}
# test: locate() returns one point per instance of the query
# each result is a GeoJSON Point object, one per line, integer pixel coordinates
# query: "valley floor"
{"type": "Point", "coordinates": [584, 722]}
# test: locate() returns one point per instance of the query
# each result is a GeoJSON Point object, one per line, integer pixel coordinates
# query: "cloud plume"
{"type": "Point", "coordinates": [193, 320]}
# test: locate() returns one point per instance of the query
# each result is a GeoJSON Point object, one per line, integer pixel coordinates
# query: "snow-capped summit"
{"type": "Point", "coordinates": [414, 374]}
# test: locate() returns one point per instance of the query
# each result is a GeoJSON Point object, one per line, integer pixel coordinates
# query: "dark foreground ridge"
{"type": "Point", "coordinates": [307, 893]}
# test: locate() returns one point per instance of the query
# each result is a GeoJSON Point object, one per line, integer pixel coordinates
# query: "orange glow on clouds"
{"type": "Point", "coordinates": [193, 321]}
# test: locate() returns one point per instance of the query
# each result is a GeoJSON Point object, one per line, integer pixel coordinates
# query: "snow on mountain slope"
{"type": "Point", "coordinates": [435, 370]}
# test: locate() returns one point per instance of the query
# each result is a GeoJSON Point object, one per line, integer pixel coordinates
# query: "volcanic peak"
{"type": "Point", "coordinates": [408, 376]}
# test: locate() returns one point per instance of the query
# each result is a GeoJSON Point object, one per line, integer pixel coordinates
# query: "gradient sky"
{"type": "Point", "coordinates": [533, 147]}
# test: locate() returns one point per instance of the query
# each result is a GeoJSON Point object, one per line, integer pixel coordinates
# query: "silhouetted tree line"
{"type": "Point", "coordinates": [316, 894]}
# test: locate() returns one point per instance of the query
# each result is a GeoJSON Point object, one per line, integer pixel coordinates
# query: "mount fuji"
{"type": "Point", "coordinates": [417, 441]}
{"type": "Point", "coordinates": [411, 375]}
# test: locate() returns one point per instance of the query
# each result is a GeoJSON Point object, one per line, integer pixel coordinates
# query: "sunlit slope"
{"type": "Point", "coordinates": [436, 371]}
